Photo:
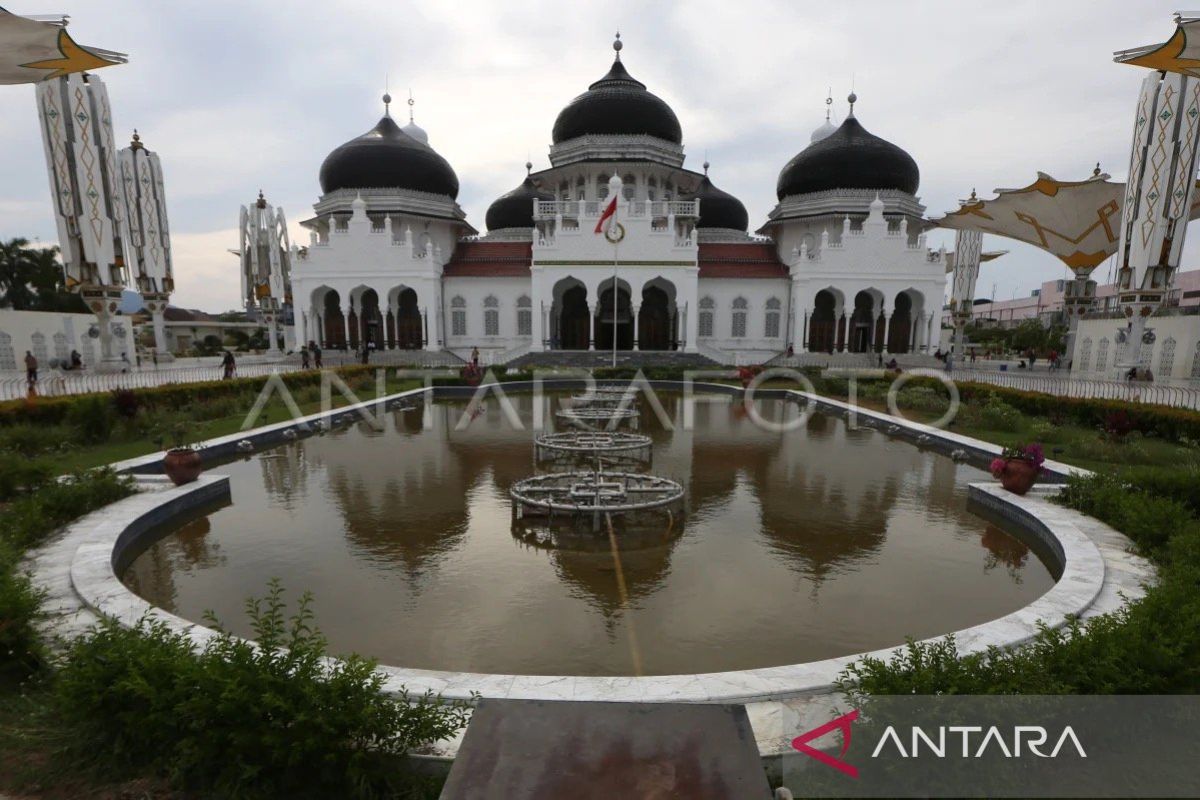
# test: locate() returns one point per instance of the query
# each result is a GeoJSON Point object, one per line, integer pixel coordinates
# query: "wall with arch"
{"type": "Point", "coordinates": [1173, 356]}
{"type": "Point", "coordinates": [52, 336]}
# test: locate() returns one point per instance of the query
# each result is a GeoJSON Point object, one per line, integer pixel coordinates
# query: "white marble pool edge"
{"type": "Point", "coordinates": [77, 569]}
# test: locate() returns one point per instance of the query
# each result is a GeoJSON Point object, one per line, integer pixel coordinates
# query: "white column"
{"type": "Point", "coordinates": [887, 330]}
{"type": "Point", "coordinates": [635, 309]}
{"type": "Point", "coordinates": [346, 309]}
{"type": "Point", "coordinates": [593, 308]}
{"type": "Point", "coordinates": [160, 333]}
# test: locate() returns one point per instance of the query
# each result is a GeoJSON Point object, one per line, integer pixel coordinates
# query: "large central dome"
{"type": "Point", "coordinates": [386, 157]}
{"type": "Point", "coordinates": [617, 104]}
{"type": "Point", "coordinates": [850, 157]}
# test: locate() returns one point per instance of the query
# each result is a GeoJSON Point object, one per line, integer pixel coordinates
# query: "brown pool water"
{"type": "Point", "coordinates": [795, 546]}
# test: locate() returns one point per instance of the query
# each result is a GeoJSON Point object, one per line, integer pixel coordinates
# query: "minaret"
{"type": "Point", "coordinates": [266, 260]}
{"type": "Point", "coordinates": [76, 121]}
{"type": "Point", "coordinates": [146, 233]}
{"type": "Point", "coordinates": [968, 247]}
{"type": "Point", "coordinates": [1162, 181]}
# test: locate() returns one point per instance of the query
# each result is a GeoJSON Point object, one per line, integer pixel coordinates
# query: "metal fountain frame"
{"type": "Point", "coordinates": [609, 445]}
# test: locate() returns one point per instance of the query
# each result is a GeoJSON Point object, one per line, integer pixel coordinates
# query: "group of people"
{"type": "Point", "coordinates": [310, 355]}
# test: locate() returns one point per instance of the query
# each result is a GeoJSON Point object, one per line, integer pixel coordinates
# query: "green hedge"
{"type": "Point", "coordinates": [57, 410]}
{"type": "Point", "coordinates": [1150, 646]}
{"type": "Point", "coordinates": [24, 523]}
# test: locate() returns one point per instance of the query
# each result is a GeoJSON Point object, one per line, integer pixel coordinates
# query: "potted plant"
{"type": "Point", "coordinates": [747, 375]}
{"type": "Point", "coordinates": [471, 375]}
{"type": "Point", "coordinates": [1018, 467]}
{"type": "Point", "coordinates": [182, 462]}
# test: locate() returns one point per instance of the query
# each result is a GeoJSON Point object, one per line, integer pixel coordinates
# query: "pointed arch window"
{"type": "Point", "coordinates": [772, 318]}
{"type": "Point", "coordinates": [458, 317]}
{"type": "Point", "coordinates": [524, 316]}
{"type": "Point", "coordinates": [706, 316]}
{"type": "Point", "coordinates": [737, 328]}
{"type": "Point", "coordinates": [491, 316]}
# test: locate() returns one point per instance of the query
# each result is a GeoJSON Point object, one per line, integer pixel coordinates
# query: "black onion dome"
{"type": "Point", "coordinates": [386, 157]}
{"type": "Point", "coordinates": [849, 158]}
{"type": "Point", "coordinates": [617, 104]}
{"type": "Point", "coordinates": [515, 209]}
{"type": "Point", "coordinates": [719, 209]}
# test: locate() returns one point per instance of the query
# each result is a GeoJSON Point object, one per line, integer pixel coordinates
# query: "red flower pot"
{"type": "Point", "coordinates": [182, 465]}
{"type": "Point", "coordinates": [1019, 475]}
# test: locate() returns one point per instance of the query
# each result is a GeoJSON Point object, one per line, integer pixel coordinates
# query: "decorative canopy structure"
{"type": "Point", "coordinates": [1076, 221]}
{"type": "Point", "coordinates": [266, 257]}
{"type": "Point", "coordinates": [1158, 201]}
{"type": "Point", "coordinates": [35, 48]}
{"type": "Point", "coordinates": [147, 236]}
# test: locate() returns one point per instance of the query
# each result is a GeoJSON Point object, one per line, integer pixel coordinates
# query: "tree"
{"type": "Point", "coordinates": [17, 268]}
{"type": "Point", "coordinates": [32, 279]}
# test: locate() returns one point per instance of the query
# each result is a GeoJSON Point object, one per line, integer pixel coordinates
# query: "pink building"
{"type": "Point", "coordinates": [1046, 303]}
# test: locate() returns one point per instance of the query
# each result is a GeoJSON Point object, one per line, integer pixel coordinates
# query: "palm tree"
{"type": "Point", "coordinates": [16, 272]}
{"type": "Point", "coordinates": [32, 279]}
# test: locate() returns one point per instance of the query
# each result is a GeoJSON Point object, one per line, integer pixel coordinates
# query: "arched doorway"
{"type": "Point", "coordinates": [862, 323]}
{"type": "Point", "coordinates": [900, 332]}
{"type": "Point", "coordinates": [615, 319]}
{"type": "Point", "coordinates": [574, 325]}
{"type": "Point", "coordinates": [409, 333]}
{"type": "Point", "coordinates": [821, 326]}
{"type": "Point", "coordinates": [370, 321]}
{"type": "Point", "coordinates": [655, 320]}
{"type": "Point", "coordinates": [335, 325]}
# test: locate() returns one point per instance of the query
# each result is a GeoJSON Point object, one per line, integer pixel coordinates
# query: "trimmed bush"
{"type": "Point", "coordinates": [235, 719]}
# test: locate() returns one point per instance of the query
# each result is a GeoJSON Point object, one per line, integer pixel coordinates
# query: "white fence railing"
{"type": "Point", "coordinates": [54, 383]}
{"type": "Point", "coordinates": [1128, 391]}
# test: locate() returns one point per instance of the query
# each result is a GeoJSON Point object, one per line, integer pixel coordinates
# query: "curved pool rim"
{"type": "Point", "coordinates": [129, 523]}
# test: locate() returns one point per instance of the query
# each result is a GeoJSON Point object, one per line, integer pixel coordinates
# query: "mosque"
{"type": "Point", "coordinates": [840, 264]}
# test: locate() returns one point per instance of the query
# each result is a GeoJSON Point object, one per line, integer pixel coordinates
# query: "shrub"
{"type": "Point", "coordinates": [22, 476]}
{"type": "Point", "coordinates": [996, 415]}
{"type": "Point", "coordinates": [237, 719]}
{"type": "Point", "coordinates": [126, 402]}
{"type": "Point", "coordinates": [93, 416]}
{"type": "Point", "coordinates": [30, 440]}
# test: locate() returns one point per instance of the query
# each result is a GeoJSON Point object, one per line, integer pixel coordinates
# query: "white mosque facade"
{"type": "Point", "coordinates": [840, 265]}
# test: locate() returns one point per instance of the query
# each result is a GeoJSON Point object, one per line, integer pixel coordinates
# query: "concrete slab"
{"type": "Point", "coordinates": [548, 750]}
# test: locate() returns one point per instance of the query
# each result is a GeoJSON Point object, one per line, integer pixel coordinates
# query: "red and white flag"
{"type": "Point", "coordinates": [608, 217]}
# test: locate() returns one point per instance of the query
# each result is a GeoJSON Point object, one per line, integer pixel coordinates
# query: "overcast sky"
{"type": "Point", "coordinates": [237, 96]}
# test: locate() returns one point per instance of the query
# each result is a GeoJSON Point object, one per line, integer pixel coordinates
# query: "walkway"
{"type": "Point", "coordinates": [55, 383]}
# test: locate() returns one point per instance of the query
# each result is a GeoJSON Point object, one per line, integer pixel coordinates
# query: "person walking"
{"type": "Point", "coordinates": [316, 354]}
{"type": "Point", "coordinates": [475, 357]}
{"type": "Point", "coordinates": [304, 357]}
{"type": "Point", "coordinates": [228, 365]}
{"type": "Point", "coordinates": [31, 368]}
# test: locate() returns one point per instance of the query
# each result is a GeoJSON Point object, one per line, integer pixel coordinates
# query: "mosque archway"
{"type": "Point", "coordinates": [862, 323]}
{"type": "Point", "coordinates": [334, 327]}
{"type": "Point", "coordinates": [370, 321]}
{"type": "Point", "coordinates": [409, 329]}
{"type": "Point", "coordinates": [571, 317]}
{"type": "Point", "coordinates": [822, 325]}
{"type": "Point", "coordinates": [901, 329]}
{"type": "Point", "coordinates": [614, 318]}
{"type": "Point", "coordinates": [656, 320]}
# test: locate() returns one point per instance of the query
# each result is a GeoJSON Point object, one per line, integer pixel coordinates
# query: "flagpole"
{"type": "Point", "coordinates": [616, 304]}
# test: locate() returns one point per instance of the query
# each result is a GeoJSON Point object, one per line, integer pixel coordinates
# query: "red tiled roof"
{"type": "Point", "coordinates": [490, 259]}
{"type": "Point", "coordinates": [738, 260]}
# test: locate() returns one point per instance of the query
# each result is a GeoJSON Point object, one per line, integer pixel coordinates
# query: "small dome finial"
{"type": "Point", "coordinates": [828, 102]}
{"type": "Point", "coordinates": [262, 201]}
{"type": "Point", "coordinates": [136, 142]}
{"type": "Point", "coordinates": [1096, 171]}
{"type": "Point", "coordinates": [528, 168]}
{"type": "Point", "coordinates": [852, 99]}
{"type": "Point", "coordinates": [973, 196]}
{"type": "Point", "coordinates": [706, 165]}
{"type": "Point", "coordinates": [411, 103]}
{"type": "Point", "coordinates": [617, 45]}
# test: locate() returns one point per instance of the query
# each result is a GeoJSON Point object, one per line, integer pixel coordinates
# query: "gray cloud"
{"type": "Point", "coordinates": [241, 96]}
